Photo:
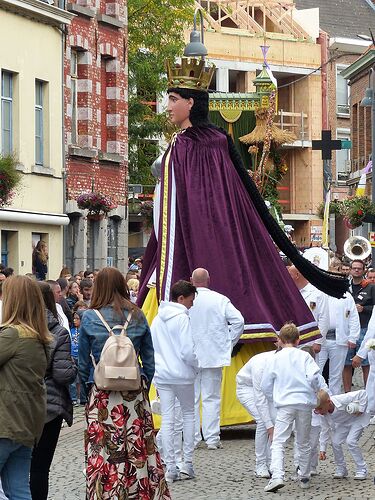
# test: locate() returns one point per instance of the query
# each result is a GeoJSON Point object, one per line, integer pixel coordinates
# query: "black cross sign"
{"type": "Point", "coordinates": [326, 145]}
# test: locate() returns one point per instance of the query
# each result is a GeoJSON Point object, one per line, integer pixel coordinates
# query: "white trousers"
{"type": "Point", "coordinates": [314, 444]}
{"type": "Point", "coordinates": [336, 355]}
{"type": "Point", "coordinates": [177, 439]}
{"type": "Point", "coordinates": [208, 388]}
{"type": "Point", "coordinates": [370, 386]}
{"type": "Point", "coordinates": [285, 417]}
{"type": "Point", "coordinates": [185, 395]}
{"type": "Point", "coordinates": [245, 396]}
{"type": "Point", "coordinates": [351, 435]}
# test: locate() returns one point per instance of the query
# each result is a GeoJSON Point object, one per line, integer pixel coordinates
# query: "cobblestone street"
{"type": "Point", "coordinates": [225, 474]}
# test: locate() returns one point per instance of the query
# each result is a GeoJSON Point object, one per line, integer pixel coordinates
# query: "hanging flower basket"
{"type": "Point", "coordinates": [10, 178]}
{"type": "Point", "coordinates": [354, 211]}
{"type": "Point", "coordinates": [93, 216]}
{"type": "Point", "coordinates": [97, 204]}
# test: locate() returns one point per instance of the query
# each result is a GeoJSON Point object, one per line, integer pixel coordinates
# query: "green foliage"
{"type": "Point", "coordinates": [353, 210]}
{"type": "Point", "coordinates": [155, 34]}
{"type": "Point", "coordinates": [10, 178]}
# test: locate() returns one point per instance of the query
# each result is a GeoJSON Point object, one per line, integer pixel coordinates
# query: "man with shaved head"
{"type": "Point", "coordinates": [217, 326]}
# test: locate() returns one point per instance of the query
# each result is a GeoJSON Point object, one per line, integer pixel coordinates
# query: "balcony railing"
{"type": "Point", "coordinates": [294, 122]}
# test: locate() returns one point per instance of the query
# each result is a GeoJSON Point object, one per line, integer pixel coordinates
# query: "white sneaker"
{"type": "Point", "coordinates": [340, 473]}
{"type": "Point", "coordinates": [361, 475]}
{"type": "Point", "coordinates": [263, 472]}
{"type": "Point", "coordinates": [274, 485]}
{"type": "Point", "coordinates": [215, 446]}
{"type": "Point", "coordinates": [313, 472]}
{"type": "Point", "coordinates": [304, 483]}
{"type": "Point", "coordinates": [372, 420]}
{"type": "Point", "coordinates": [172, 475]}
{"type": "Point", "coordinates": [187, 471]}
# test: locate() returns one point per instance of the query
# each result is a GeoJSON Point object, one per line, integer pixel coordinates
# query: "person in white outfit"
{"type": "Point", "coordinates": [344, 329]}
{"type": "Point", "coordinates": [217, 326]}
{"type": "Point", "coordinates": [292, 381]}
{"type": "Point", "coordinates": [318, 304]}
{"type": "Point", "coordinates": [175, 371]}
{"type": "Point", "coordinates": [316, 427]}
{"type": "Point", "coordinates": [250, 395]}
{"type": "Point", "coordinates": [365, 351]}
{"type": "Point", "coordinates": [346, 417]}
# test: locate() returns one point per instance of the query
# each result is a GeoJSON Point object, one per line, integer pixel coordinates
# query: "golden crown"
{"type": "Point", "coordinates": [190, 74]}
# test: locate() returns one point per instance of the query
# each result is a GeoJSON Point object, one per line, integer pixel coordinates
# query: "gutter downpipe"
{"type": "Point", "coordinates": [65, 229]}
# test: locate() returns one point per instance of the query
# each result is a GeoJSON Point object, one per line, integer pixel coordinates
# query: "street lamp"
{"type": "Point", "coordinates": [196, 46]}
{"type": "Point", "coordinates": [369, 101]}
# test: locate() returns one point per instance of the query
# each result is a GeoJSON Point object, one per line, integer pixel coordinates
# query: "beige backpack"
{"type": "Point", "coordinates": [118, 367]}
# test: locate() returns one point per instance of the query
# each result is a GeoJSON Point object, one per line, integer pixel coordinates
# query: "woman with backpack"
{"type": "Point", "coordinates": [121, 456]}
{"type": "Point", "coordinates": [61, 372]}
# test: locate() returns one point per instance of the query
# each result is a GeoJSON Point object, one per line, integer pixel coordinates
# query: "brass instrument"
{"type": "Point", "coordinates": [357, 247]}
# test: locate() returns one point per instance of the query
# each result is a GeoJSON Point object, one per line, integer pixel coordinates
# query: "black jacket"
{"type": "Point", "coordinates": [365, 297]}
{"type": "Point", "coordinates": [61, 372]}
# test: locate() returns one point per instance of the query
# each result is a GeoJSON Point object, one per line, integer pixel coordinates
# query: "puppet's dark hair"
{"type": "Point", "coordinates": [199, 111]}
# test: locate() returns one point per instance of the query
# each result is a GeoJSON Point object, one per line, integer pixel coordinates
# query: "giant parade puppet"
{"type": "Point", "coordinates": [209, 213]}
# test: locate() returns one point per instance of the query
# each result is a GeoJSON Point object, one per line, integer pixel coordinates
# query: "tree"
{"type": "Point", "coordinates": [156, 30]}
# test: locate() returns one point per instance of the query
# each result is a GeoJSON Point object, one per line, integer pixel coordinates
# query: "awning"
{"type": "Point", "coordinates": [8, 215]}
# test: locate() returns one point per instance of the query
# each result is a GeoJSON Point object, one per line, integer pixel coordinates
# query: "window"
{"type": "Point", "coordinates": [39, 132]}
{"type": "Point", "coordinates": [6, 112]}
{"type": "Point", "coordinates": [343, 158]}
{"type": "Point", "coordinates": [74, 80]}
{"type": "Point", "coordinates": [342, 92]}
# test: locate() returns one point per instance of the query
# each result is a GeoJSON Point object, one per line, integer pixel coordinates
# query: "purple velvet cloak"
{"type": "Point", "coordinates": [215, 226]}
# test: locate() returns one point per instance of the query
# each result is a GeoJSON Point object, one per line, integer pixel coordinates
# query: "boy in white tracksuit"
{"type": "Point", "coordinates": [250, 395]}
{"type": "Point", "coordinates": [175, 371]}
{"type": "Point", "coordinates": [291, 381]}
{"type": "Point", "coordinates": [345, 419]}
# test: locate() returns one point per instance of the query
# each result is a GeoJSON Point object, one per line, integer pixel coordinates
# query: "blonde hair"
{"type": "Point", "coordinates": [23, 305]}
{"type": "Point", "coordinates": [323, 398]}
{"type": "Point", "coordinates": [289, 334]}
{"type": "Point", "coordinates": [133, 284]}
{"type": "Point", "coordinates": [41, 251]}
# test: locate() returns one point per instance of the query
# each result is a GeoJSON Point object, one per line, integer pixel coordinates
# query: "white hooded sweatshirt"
{"type": "Point", "coordinates": [175, 361]}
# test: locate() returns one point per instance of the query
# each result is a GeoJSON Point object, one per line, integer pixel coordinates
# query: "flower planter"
{"type": "Point", "coordinates": [350, 224]}
{"type": "Point", "coordinates": [97, 204]}
{"type": "Point", "coordinates": [95, 216]}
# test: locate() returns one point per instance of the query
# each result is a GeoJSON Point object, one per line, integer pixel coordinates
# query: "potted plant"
{"type": "Point", "coordinates": [97, 204]}
{"type": "Point", "coordinates": [10, 177]}
{"type": "Point", "coordinates": [354, 211]}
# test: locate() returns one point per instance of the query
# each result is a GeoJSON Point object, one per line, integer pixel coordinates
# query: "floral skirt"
{"type": "Point", "coordinates": [122, 461]}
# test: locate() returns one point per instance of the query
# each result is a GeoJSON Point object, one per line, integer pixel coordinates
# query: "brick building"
{"type": "Point", "coordinates": [340, 47]}
{"type": "Point", "coordinates": [358, 75]}
{"type": "Point", "coordinates": [96, 130]}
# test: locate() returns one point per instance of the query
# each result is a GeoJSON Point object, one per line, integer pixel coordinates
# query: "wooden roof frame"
{"type": "Point", "coordinates": [242, 13]}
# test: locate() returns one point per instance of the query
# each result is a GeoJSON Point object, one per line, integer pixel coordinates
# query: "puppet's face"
{"type": "Point", "coordinates": [179, 108]}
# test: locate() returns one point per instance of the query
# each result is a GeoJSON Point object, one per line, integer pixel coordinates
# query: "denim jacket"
{"type": "Point", "coordinates": [93, 335]}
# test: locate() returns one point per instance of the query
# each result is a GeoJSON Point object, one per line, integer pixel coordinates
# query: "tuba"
{"type": "Point", "coordinates": [357, 247]}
